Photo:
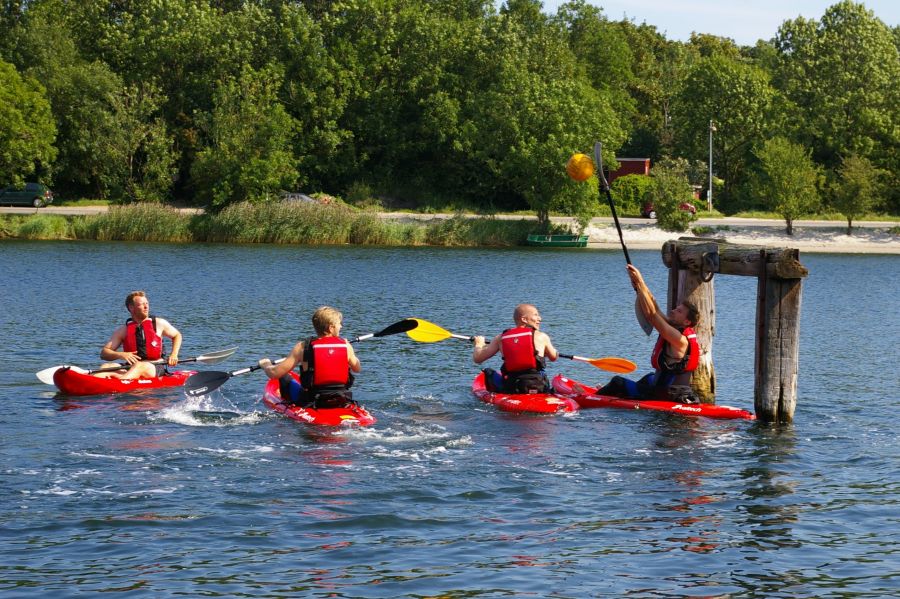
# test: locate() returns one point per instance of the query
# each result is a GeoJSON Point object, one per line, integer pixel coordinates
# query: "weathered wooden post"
{"type": "Point", "coordinates": [692, 263]}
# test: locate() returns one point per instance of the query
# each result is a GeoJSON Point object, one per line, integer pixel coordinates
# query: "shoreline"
{"type": "Point", "coordinates": [818, 239]}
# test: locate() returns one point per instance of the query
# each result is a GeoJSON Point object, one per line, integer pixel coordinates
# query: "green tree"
{"type": "Point", "coordinates": [659, 66]}
{"type": "Point", "coordinates": [248, 156]}
{"type": "Point", "coordinates": [738, 98]}
{"type": "Point", "coordinates": [857, 190]}
{"type": "Point", "coordinates": [530, 111]}
{"type": "Point", "coordinates": [787, 179]}
{"type": "Point", "coordinates": [842, 77]}
{"type": "Point", "coordinates": [27, 131]}
{"type": "Point", "coordinates": [669, 189]}
{"type": "Point", "coordinates": [140, 161]}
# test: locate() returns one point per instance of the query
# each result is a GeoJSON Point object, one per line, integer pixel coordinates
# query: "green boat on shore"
{"type": "Point", "coordinates": [558, 241]}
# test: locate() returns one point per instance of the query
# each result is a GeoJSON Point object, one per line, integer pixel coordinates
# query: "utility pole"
{"type": "Point", "coordinates": [712, 127]}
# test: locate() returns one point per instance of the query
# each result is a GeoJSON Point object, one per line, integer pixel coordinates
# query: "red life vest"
{"type": "Point", "coordinates": [151, 348]}
{"type": "Point", "coordinates": [517, 347]}
{"type": "Point", "coordinates": [327, 358]}
{"type": "Point", "coordinates": [688, 363]}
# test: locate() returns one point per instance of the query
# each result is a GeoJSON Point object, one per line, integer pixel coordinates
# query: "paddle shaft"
{"type": "Point", "coordinates": [598, 156]}
{"type": "Point", "coordinates": [204, 382]}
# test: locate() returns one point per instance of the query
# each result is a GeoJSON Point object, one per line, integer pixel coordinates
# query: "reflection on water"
{"type": "Point", "coordinates": [771, 510]}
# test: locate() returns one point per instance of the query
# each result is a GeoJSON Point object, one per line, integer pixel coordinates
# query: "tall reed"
{"type": "Point", "coordinates": [272, 222]}
{"type": "Point", "coordinates": [136, 222]}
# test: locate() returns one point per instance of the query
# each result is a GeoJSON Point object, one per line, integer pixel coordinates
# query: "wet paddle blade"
{"type": "Point", "coordinates": [642, 320]}
{"type": "Point", "coordinates": [214, 357]}
{"type": "Point", "coordinates": [428, 332]}
{"type": "Point", "coordinates": [404, 326]}
{"type": "Point", "coordinates": [611, 364]}
{"type": "Point", "coordinates": [204, 383]}
{"type": "Point", "coordinates": [620, 365]}
{"type": "Point", "coordinates": [46, 375]}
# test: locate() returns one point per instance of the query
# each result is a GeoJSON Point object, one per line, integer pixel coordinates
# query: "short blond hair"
{"type": "Point", "coordinates": [324, 317]}
{"type": "Point", "coordinates": [129, 299]}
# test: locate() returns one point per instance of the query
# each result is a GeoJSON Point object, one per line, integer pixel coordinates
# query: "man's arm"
{"type": "Point", "coordinates": [549, 351]}
{"type": "Point", "coordinates": [353, 361]}
{"type": "Point", "coordinates": [276, 371]}
{"type": "Point", "coordinates": [167, 330]}
{"type": "Point", "coordinates": [482, 352]}
{"type": "Point", "coordinates": [109, 351]}
{"type": "Point", "coordinates": [651, 311]}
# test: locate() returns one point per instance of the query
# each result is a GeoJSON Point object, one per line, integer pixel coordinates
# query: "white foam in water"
{"type": "Point", "coordinates": [202, 411]}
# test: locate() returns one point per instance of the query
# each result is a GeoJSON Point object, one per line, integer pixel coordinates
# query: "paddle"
{"type": "Point", "coordinates": [604, 186]}
{"type": "Point", "coordinates": [428, 332]}
{"type": "Point", "coordinates": [611, 364]}
{"type": "Point", "coordinates": [46, 375]}
{"type": "Point", "coordinates": [205, 382]}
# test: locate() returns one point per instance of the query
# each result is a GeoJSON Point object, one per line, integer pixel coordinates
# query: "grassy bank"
{"type": "Point", "coordinates": [280, 223]}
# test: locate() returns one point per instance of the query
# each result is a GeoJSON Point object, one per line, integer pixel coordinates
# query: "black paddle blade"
{"type": "Point", "coordinates": [398, 327]}
{"type": "Point", "coordinates": [203, 383]}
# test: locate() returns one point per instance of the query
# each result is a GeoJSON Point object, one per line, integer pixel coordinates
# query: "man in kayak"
{"type": "Point", "coordinates": [327, 363]}
{"type": "Point", "coordinates": [524, 350]}
{"type": "Point", "coordinates": [675, 356]}
{"type": "Point", "coordinates": [141, 340]}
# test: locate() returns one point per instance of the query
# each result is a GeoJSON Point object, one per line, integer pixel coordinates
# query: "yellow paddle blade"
{"type": "Point", "coordinates": [613, 364]}
{"type": "Point", "coordinates": [428, 332]}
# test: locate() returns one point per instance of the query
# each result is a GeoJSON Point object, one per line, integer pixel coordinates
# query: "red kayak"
{"type": "Point", "coordinates": [587, 397]}
{"type": "Point", "coordinates": [541, 403]}
{"type": "Point", "coordinates": [353, 415]}
{"type": "Point", "coordinates": [72, 381]}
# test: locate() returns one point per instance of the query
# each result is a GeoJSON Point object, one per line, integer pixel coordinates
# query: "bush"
{"type": "Point", "coordinates": [628, 193]}
{"type": "Point", "coordinates": [44, 227]}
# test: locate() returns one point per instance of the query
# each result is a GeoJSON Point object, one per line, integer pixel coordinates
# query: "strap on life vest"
{"type": "Point", "coordinates": [142, 339]}
{"type": "Point", "coordinates": [688, 363]}
{"type": "Point", "coordinates": [519, 353]}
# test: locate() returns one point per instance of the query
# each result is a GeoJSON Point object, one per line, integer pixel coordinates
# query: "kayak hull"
{"type": "Point", "coordinates": [349, 416]}
{"type": "Point", "coordinates": [586, 397]}
{"type": "Point", "coordinates": [72, 382]}
{"type": "Point", "coordinates": [539, 403]}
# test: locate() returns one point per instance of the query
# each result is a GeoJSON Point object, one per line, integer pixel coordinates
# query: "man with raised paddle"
{"type": "Point", "coordinates": [675, 356]}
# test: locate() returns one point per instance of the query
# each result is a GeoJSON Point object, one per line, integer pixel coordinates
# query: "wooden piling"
{"type": "Point", "coordinates": [693, 262]}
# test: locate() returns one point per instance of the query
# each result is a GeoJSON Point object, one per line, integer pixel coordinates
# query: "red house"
{"type": "Point", "coordinates": [630, 166]}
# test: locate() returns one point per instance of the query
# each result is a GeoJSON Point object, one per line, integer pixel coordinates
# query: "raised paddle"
{"type": "Point", "coordinates": [205, 382]}
{"type": "Point", "coordinates": [46, 375]}
{"type": "Point", "coordinates": [604, 186]}
{"type": "Point", "coordinates": [428, 332]}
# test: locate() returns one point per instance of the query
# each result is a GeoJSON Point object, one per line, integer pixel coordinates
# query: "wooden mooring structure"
{"type": "Point", "coordinates": [693, 263]}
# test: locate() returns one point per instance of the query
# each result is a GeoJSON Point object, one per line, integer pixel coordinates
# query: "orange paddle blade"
{"type": "Point", "coordinates": [612, 364]}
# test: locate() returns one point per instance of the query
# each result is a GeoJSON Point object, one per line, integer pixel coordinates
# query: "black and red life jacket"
{"type": "Point", "coordinates": [523, 367]}
{"type": "Point", "coordinates": [519, 353]}
{"type": "Point", "coordinates": [327, 363]}
{"type": "Point", "coordinates": [142, 338]}
{"type": "Point", "coordinates": [688, 363]}
{"type": "Point", "coordinates": [327, 379]}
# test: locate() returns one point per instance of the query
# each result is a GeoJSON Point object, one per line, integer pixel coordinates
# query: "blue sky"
{"type": "Point", "coordinates": [743, 21]}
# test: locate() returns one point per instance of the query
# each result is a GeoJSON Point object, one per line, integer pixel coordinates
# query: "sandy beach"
{"type": "Point", "coordinates": [870, 238]}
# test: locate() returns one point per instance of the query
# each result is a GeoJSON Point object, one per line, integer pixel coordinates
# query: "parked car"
{"type": "Point", "coordinates": [648, 211]}
{"type": "Point", "coordinates": [297, 197]}
{"type": "Point", "coordinates": [32, 194]}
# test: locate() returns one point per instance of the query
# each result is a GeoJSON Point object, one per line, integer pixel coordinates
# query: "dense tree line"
{"type": "Point", "coordinates": [435, 102]}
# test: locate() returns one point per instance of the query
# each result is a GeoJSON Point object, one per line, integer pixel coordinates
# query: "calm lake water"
{"type": "Point", "coordinates": [157, 495]}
